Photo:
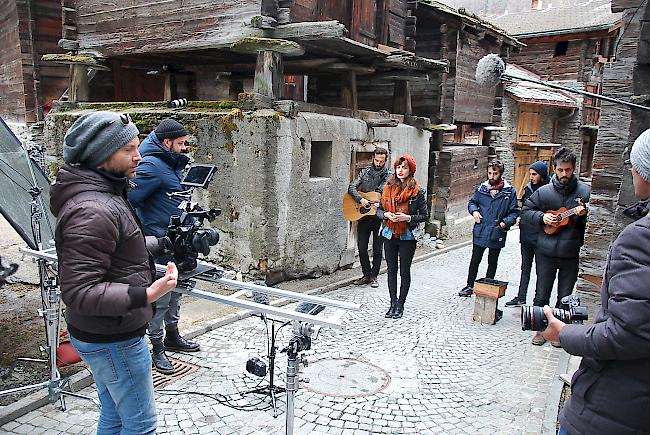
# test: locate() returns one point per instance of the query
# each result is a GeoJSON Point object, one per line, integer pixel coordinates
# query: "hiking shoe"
{"type": "Point", "coordinates": [374, 283]}
{"type": "Point", "coordinates": [556, 344]}
{"type": "Point", "coordinates": [466, 292]}
{"type": "Point", "coordinates": [538, 339]}
{"type": "Point", "coordinates": [515, 302]}
{"type": "Point", "coordinates": [363, 280]}
{"type": "Point", "coordinates": [498, 315]}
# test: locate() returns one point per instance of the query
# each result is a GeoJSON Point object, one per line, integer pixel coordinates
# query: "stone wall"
{"type": "Point", "coordinates": [277, 218]}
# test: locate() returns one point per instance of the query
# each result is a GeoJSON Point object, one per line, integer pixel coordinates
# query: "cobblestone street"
{"type": "Point", "coordinates": [433, 371]}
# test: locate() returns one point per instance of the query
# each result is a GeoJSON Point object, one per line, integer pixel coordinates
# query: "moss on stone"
{"type": "Point", "coordinates": [229, 121]}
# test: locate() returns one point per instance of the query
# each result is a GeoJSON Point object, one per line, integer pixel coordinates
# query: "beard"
{"type": "Point", "coordinates": [494, 182]}
{"type": "Point", "coordinates": [564, 180]}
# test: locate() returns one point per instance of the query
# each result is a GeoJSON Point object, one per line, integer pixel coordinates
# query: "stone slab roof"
{"type": "Point", "coordinates": [525, 92]}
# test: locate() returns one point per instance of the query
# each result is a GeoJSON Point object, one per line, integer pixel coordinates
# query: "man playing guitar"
{"type": "Point", "coordinates": [371, 179]}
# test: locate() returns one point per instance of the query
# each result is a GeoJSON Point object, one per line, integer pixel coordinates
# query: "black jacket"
{"type": "Point", "coordinates": [418, 210]}
{"type": "Point", "coordinates": [611, 389]}
{"type": "Point", "coordinates": [555, 195]}
{"type": "Point", "coordinates": [369, 180]}
{"type": "Point", "coordinates": [528, 233]}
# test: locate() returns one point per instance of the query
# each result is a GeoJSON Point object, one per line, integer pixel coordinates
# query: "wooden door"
{"type": "Point", "coordinates": [364, 21]}
{"type": "Point", "coordinates": [339, 10]}
{"type": "Point", "coordinates": [524, 157]}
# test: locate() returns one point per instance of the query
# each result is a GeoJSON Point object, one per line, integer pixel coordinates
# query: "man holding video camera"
{"type": "Point", "coordinates": [105, 268]}
{"type": "Point", "coordinates": [160, 173]}
{"type": "Point", "coordinates": [611, 389]}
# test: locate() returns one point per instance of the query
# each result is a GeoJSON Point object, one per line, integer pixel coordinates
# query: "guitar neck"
{"type": "Point", "coordinates": [567, 213]}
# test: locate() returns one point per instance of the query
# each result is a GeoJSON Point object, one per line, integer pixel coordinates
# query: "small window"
{"type": "Point", "coordinates": [320, 165]}
{"type": "Point", "coordinates": [561, 48]}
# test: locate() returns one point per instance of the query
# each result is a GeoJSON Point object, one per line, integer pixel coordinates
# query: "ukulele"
{"type": "Point", "coordinates": [563, 218]}
{"type": "Point", "coordinates": [353, 211]}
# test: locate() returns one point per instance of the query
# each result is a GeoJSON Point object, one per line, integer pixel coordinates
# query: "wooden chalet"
{"type": "Point", "coordinates": [569, 45]}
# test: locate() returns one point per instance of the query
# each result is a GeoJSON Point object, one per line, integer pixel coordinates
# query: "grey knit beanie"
{"type": "Point", "coordinates": [170, 129]}
{"type": "Point", "coordinates": [96, 136]}
{"type": "Point", "coordinates": [640, 155]}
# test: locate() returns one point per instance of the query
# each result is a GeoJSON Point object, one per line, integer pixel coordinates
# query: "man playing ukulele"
{"type": "Point", "coordinates": [557, 254]}
{"type": "Point", "coordinates": [371, 179]}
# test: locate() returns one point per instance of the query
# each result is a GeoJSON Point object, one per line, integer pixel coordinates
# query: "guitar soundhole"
{"type": "Point", "coordinates": [364, 210]}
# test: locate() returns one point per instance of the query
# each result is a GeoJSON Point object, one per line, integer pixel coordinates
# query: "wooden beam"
{"type": "Point", "coordinates": [382, 122]}
{"type": "Point", "coordinates": [349, 90]}
{"type": "Point", "coordinates": [255, 45]}
{"type": "Point", "coordinates": [269, 74]}
{"type": "Point", "coordinates": [79, 89]}
{"type": "Point", "coordinates": [402, 98]}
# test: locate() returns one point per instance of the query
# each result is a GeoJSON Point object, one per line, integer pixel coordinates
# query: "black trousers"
{"type": "Point", "coordinates": [547, 268]}
{"type": "Point", "coordinates": [402, 250]}
{"type": "Point", "coordinates": [477, 256]}
{"type": "Point", "coordinates": [366, 227]}
{"type": "Point", "coordinates": [527, 257]}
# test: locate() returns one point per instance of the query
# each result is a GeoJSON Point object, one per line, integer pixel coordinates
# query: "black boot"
{"type": "Point", "coordinates": [399, 310]}
{"type": "Point", "coordinates": [160, 361]}
{"type": "Point", "coordinates": [391, 310]}
{"type": "Point", "coordinates": [174, 341]}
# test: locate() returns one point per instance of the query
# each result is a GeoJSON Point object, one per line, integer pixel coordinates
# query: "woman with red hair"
{"type": "Point", "coordinates": [402, 208]}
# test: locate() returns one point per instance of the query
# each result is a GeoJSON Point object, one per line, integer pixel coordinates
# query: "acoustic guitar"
{"type": "Point", "coordinates": [352, 211]}
{"type": "Point", "coordinates": [563, 216]}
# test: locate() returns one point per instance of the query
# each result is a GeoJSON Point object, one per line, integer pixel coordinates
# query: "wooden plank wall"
{"type": "Point", "coordinates": [539, 58]}
{"type": "Point", "coordinates": [472, 103]}
{"type": "Point", "coordinates": [122, 27]}
{"type": "Point", "coordinates": [429, 43]}
{"type": "Point", "coordinates": [12, 101]}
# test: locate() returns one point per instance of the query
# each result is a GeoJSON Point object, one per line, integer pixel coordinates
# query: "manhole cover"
{"type": "Point", "coordinates": [345, 377]}
{"type": "Point", "coordinates": [181, 369]}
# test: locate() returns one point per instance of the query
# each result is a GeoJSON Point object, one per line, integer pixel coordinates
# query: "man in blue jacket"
{"type": "Point", "coordinates": [160, 173]}
{"type": "Point", "coordinates": [528, 233]}
{"type": "Point", "coordinates": [495, 209]}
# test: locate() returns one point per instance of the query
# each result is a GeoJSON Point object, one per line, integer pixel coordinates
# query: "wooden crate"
{"type": "Point", "coordinates": [490, 288]}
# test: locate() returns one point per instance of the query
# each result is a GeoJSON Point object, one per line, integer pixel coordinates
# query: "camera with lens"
{"type": "Point", "coordinates": [534, 319]}
{"type": "Point", "coordinates": [186, 230]}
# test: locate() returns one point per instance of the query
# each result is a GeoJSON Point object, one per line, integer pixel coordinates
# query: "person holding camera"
{"type": "Point", "coordinates": [403, 206]}
{"type": "Point", "coordinates": [160, 173]}
{"type": "Point", "coordinates": [610, 391]}
{"type": "Point", "coordinates": [495, 209]}
{"type": "Point", "coordinates": [106, 270]}
{"type": "Point", "coordinates": [538, 173]}
{"type": "Point", "coordinates": [371, 179]}
{"type": "Point", "coordinates": [557, 253]}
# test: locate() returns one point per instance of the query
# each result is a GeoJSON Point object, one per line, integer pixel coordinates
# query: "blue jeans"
{"type": "Point", "coordinates": [168, 311]}
{"type": "Point", "coordinates": [122, 374]}
{"type": "Point", "coordinates": [563, 432]}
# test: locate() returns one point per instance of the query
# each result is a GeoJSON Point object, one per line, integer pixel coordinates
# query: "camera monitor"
{"type": "Point", "coordinates": [19, 174]}
{"type": "Point", "coordinates": [199, 175]}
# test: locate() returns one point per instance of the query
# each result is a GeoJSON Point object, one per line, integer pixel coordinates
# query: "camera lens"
{"type": "Point", "coordinates": [533, 318]}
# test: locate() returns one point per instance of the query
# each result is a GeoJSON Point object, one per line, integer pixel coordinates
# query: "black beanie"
{"type": "Point", "coordinates": [169, 129]}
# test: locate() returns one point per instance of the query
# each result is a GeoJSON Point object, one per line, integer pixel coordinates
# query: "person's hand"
{"type": "Point", "coordinates": [364, 203]}
{"type": "Point", "coordinates": [581, 210]}
{"type": "Point", "coordinates": [163, 285]}
{"type": "Point", "coordinates": [550, 219]}
{"type": "Point", "coordinates": [552, 331]}
{"type": "Point", "coordinates": [390, 216]}
{"type": "Point", "coordinates": [477, 217]}
{"type": "Point", "coordinates": [401, 217]}
{"type": "Point", "coordinates": [502, 225]}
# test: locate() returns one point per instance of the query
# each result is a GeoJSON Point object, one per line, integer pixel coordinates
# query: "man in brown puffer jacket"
{"type": "Point", "coordinates": [105, 269]}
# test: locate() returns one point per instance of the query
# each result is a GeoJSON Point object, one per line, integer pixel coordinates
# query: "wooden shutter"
{"type": "Point", "coordinates": [528, 124]}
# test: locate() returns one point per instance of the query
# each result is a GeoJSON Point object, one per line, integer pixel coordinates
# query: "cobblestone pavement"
{"type": "Point", "coordinates": [448, 374]}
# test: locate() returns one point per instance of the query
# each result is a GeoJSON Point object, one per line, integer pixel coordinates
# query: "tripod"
{"type": "Point", "coordinates": [51, 313]}
{"type": "Point", "coordinates": [271, 389]}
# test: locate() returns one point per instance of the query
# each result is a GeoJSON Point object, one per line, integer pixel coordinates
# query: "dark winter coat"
{"type": "Point", "coordinates": [553, 196]}
{"type": "Point", "coordinates": [104, 264]}
{"type": "Point", "coordinates": [528, 233]}
{"type": "Point", "coordinates": [160, 172]}
{"type": "Point", "coordinates": [502, 208]}
{"type": "Point", "coordinates": [611, 389]}
{"type": "Point", "coordinates": [418, 210]}
{"type": "Point", "coordinates": [369, 180]}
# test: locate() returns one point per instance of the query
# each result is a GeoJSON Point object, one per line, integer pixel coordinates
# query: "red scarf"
{"type": "Point", "coordinates": [396, 199]}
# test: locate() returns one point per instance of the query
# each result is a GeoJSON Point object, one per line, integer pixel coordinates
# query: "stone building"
{"type": "Point", "coordinates": [568, 46]}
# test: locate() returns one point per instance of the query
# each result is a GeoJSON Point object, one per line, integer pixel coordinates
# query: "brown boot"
{"type": "Point", "coordinates": [363, 280]}
{"type": "Point", "coordinates": [538, 339]}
